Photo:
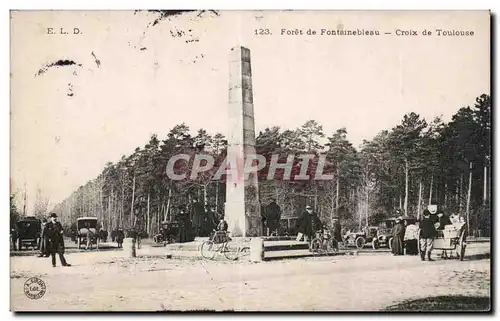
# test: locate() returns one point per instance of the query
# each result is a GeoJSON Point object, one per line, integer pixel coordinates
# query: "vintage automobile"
{"type": "Point", "coordinates": [87, 227]}
{"type": "Point", "coordinates": [168, 233]}
{"type": "Point", "coordinates": [384, 232]}
{"type": "Point", "coordinates": [360, 238]}
{"type": "Point", "coordinates": [28, 233]}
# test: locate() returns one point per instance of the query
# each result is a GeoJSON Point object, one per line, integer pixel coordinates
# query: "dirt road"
{"type": "Point", "coordinates": [98, 281]}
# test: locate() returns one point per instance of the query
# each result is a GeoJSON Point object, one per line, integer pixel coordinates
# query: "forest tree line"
{"type": "Point", "coordinates": [407, 167]}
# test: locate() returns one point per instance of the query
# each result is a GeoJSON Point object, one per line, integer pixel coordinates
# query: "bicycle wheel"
{"type": "Point", "coordinates": [231, 251]}
{"type": "Point", "coordinates": [208, 249]}
{"type": "Point", "coordinates": [316, 245]}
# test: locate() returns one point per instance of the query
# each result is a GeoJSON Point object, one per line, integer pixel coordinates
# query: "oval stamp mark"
{"type": "Point", "coordinates": [34, 288]}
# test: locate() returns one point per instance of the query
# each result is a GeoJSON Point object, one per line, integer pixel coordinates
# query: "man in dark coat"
{"type": "Point", "coordinates": [337, 233]}
{"type": "Point", "coordinates": [398, 236]}
{"type": "Point", "coordinates": [197, 210]}
{"type": "Point", "coordinates": [119, 236]}
{"type": "Point", "coordinates": [273, 216]}
{"type": "Point", "coordinates": [427, 235]}
{"type": "Point", "coordinates": [54, 232]}
{"type": "Point", "coordinates": [185, 226]}
{"type": "Point", "coordinates": [211, 220]}
{"type": "Point", "coordinates": [307, 224]}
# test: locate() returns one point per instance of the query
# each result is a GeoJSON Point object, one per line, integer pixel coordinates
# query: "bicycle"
{"type": "Point", "coordinates": [220, 242]}
{"type": "Point", "coordinates": [324, 243]}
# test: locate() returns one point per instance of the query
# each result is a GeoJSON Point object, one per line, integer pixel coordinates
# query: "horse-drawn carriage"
{"type": "Point", "coordinates": [86, 232]}
{"type": "Point", "coordinates": [28, 232]}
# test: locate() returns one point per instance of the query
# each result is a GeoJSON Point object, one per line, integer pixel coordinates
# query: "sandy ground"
{"type": "Point", "coordinates": [104, 281]}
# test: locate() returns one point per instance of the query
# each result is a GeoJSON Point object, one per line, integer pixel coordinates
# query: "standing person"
{"type": "Point", "coordinates": [211, 220]}
{"type": "Point", "coordinates": [44, 240]}
{"type": "Point", "coordinates": [54, 232]}
{"type": "Point", "coordinates": [120, 235]}
{"type": "Point", "coordinates": [411, 238]}
{"type": "Point", "coordinates": [196, 216]}
{"type": "Point", "coordinates": [307, 224]}
{"type": "Point", "coordinates": [185, 226]}
{"type": "Point", "coordinates": [427, 235]}
{"type": "Point", "coordinates": [398, 236]}
{"type": "Point", "coordinates": [337, 233]}
{"type": "Point", "coordinates": [273, 216]}
{"type": "Point", "coordinates": [13, 237]}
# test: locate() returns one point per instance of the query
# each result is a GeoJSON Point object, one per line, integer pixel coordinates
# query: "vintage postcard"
{"type": "Point", "coordinates": [211, 160]}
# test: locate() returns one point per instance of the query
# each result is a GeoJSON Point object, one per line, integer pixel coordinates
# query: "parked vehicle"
{"type": "Point", "coordinates": [385, 232]}
{"type": "Point", "coordinates": [360, 238]}
{"type": "Point", "coordinates": [28, 233]}
{"type": "Point", "coordinates": [168, 233]}
{"type": "Point", "coordinates": [87, 227]}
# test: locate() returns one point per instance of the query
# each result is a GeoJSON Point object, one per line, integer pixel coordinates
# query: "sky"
{"type": "Point", "coordinates": [131, 79]}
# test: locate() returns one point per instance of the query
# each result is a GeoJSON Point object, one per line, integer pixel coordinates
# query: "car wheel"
{"type": "Point", "coordinates": [360, 242]}
{"type": "Point", "coordinates": [375, 244]}
{"type": "Point", "coordinates": [19, 244]}
{"type": "Point", "coordinates": [390, 243]}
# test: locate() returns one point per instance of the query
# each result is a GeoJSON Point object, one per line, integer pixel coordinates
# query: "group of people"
{"type": "Point", "coordinates": [52, 241]}
{"type": "Point", "coordinates": [432, 223]}
{"type": "Point", "coordinates": [198, 220]}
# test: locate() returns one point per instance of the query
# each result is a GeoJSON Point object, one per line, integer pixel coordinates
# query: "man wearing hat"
{"type": "Point", "coordinates": [427, 235]}
{"type": "Point", "coordinates": [54, 232]}
{"type": "Point", "coordinates": [307, 224]}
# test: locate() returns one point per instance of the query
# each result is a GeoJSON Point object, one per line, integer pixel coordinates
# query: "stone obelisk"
{"type": "Point", "coordinates": [242, 208]}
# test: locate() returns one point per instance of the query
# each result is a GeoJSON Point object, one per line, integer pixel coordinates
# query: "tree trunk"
{"type": "Point", "coordinates": [460, 206]}
{"type": "Point", "coordinates": [169, 200]}
{"type": "Point", "coordinates": [147, 216]}
{"type": "Point", "coordinates": [133, 201]}
{"type": "Point", "coordinates": [430, 189]}
{"type": "Point", "coordinates": [445, 194]}
{"type": "Point", "coordinates": [333, 203]}
{"type": "Point", "coordinates": [419, 198]}
{"type": "Point", "coordinates": [216, 194]}
{"type": "Point", "coordinates": [316, 198]}
{"type": "Point", "coordinates": [122, 212]}
{"type": "Point", "coordinates": [337, 192]}
{"type": "Point", "coordinates": [468, 197]}
{"type": "Point", "coordinates": [485, 185]}
{"type": "Point", "coordinates": [406, 187]}
{"type": "Point", "coordinates": [110, 205]}
{"type": "Point", "coordinates": [367, 205]}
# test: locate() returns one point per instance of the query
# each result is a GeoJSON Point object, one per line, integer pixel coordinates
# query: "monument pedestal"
{"type": "Point", "coordinates": [242, 221]}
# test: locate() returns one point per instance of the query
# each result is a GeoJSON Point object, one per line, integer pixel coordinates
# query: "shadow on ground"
{"type": "Point", "coordinates": [444, 304]}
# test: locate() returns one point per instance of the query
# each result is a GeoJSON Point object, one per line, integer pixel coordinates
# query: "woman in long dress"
{"type": "Point", "coordinates": [398, 238]}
